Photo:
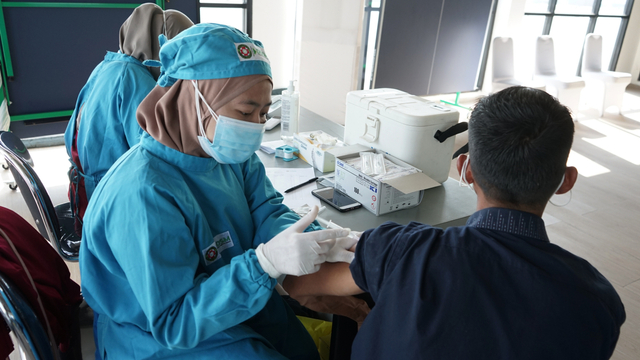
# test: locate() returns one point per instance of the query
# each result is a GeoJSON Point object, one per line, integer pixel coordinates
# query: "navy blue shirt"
{"type": "Point", "coordinates": [493, 289]}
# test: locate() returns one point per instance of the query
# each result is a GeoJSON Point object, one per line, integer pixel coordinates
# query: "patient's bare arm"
{"type": "Point", "coordinates": [332, 279]}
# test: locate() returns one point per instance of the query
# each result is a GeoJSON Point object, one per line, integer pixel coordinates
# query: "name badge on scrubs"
{"type": "Point", "coordinates": [220, 243]}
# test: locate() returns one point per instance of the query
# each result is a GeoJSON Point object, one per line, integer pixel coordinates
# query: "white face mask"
{"type": "Point", "coordinates": [560, 185]}
{"type": "Point", "coordinates": [234, 140]}
{"type": "Point", "coordinates": [463, 174]}
{"type": "Point", "coordinates": [554, 193]}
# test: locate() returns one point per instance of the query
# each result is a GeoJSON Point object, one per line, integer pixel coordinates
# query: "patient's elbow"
{"type": "Point", "coordinates": [290, 285]}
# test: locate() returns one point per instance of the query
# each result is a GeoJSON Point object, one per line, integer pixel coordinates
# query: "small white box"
{"type": "Point", "coordinates": [404, 126]}
{"type": "Point", "coordinates": [379, 197]}
{"type": "Point", "coordinates": [315, 154]}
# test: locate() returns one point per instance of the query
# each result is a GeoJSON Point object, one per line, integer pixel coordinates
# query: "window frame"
{"type": "Point", "coordinates": [593, 18]}
{"type": "Point", "coordinates": [247, 6]}
{"type": "Point", "coordinates": [366, 24]}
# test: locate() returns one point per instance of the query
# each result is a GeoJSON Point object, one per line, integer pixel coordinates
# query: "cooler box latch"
{"type": "Point", "coordinates": [371, 129]}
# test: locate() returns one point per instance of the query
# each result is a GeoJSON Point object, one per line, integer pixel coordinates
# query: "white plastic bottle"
{"type": "Point", "coordinates": [290, 114]}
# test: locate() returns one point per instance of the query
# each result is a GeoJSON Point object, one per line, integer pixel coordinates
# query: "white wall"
{"type": "Point", "coordinates": [330, 45]}
{"type": "Point", "coordinates": [273, 25]}
{"type": "Point", "coordinates": [320, 55]}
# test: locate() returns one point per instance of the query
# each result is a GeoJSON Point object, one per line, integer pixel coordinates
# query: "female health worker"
{"type": "Point", "coordinates": [185, 236]}
{"type": "Point", "coordinates": [103, 125]}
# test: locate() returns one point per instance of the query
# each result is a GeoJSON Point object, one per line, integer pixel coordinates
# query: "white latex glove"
{"type": "Point", "coordinates": [340, 251]}
{"type": "Point", "coordinates": [356, 235]}
{"type": "Point", "coordinates": [294, 252]}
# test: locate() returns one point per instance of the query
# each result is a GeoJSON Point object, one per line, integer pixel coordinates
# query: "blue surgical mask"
{"type": "Point", "coordinates": [234, 140]}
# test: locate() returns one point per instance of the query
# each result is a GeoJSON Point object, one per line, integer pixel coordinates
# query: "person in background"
{"type": "Point", "coordinates": [103, 125]}
{"type": "Point", "coordinates": [185, 236]}
{"type": "Point", "coordinates": [495, 288]}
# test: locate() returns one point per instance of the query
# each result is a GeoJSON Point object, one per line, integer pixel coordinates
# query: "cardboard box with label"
{"type": "Point", "coordinates": [379, 197]}
{"type": "Point", "coordinates": [313, 147]}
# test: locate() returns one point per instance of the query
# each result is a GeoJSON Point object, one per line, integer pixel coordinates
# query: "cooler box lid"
{"type": "Point", "coordinates": [400, 106]}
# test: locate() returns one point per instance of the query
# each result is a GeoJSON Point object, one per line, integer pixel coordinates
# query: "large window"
{"type": "Point", "coordinates": [425, 47]}
{"type": "Point", "coordinates": [569, 21]}
{"type": "Point", "coordinates": [236, 13]}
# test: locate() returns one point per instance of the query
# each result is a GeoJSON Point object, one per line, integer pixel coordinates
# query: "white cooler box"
{"type": "Point", "coordinates": [402, 125]}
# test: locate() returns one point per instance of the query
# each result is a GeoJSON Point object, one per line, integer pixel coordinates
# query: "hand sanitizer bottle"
{"type": "Point", "coordinates": [290, 114]}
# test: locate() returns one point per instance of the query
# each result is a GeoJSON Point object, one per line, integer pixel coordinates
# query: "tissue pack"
{"type": "Point", "coordinates": [313, 146]}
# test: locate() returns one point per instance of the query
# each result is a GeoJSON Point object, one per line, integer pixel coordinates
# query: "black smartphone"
{"type": "Point", "coordinates": [336, 199]}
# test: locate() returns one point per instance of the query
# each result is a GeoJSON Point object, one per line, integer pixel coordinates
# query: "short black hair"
{"type": "Point", "coordinates": [519, 142]}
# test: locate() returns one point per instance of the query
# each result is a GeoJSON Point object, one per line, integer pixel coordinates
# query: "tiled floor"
{"type": "Point", "coordinates": [600, 223]}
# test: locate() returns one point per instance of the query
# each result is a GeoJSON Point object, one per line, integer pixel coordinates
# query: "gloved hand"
{"type": "Point", "coordinates": [294, 252]}
{"type": "Point", "coordinates": [340, 252]}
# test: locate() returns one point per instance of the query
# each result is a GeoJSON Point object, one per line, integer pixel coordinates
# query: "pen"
{"type": "Point", "coordinates": [300, 185]}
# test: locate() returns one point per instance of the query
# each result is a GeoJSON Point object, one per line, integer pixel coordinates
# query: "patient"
{"type": "Point", "coordinates": [495, 288]}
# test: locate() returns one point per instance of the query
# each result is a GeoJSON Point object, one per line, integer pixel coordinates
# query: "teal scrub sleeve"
{"type": "Point", "coordinates": [160, 261]}
{"type": "Point", "coordinates": [269, 215]}
{"type": "Point", "coordinates": [133, 90]}
{"type": "Point", "coordinates": [71, 125]}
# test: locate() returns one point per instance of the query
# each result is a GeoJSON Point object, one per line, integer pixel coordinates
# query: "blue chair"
{"type": "Point", "coordinates": [31, 338]}
{"type": "Point", "coordinates": [55, 223]}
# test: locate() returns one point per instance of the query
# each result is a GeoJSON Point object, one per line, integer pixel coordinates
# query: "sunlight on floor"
{"type": "Point", "coordinates": [616, 141]}
{"type": "Point", "coordinates": [632, 113]}
{"type": "Point", "coordinates": [634, 116]}
{"type": "Point", "coordinates": [586, 167]}
{"type": "Point", "coordinates": [632, 100]}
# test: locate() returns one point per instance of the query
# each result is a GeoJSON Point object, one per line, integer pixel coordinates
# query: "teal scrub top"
{"type": "Point", "coordinates": [107, 105]}
{"type": "Point", "coordinates": [167, 260]}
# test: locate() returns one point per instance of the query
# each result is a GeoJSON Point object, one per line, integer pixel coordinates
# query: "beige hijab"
{"type": "Point", "coordinates": [169, 115]}
{"type": "Point", "coordinates": [139, 33]}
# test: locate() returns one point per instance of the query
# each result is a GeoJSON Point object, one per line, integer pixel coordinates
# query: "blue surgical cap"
{"type": "Point", "coordinates": [211, 51]}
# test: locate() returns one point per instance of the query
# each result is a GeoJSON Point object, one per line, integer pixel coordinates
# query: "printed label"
{"type": "Point", "coordinates": [251, 52]}
{"type": "Point", "coordinates": [220, 243]}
